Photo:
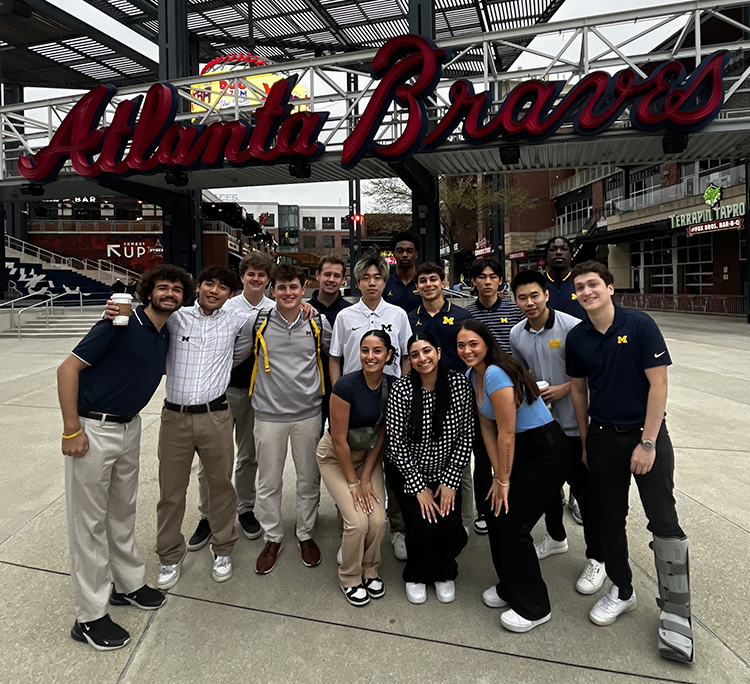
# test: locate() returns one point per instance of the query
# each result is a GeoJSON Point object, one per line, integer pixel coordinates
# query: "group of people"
{"type": "Point", "coordinates": [386, 400]}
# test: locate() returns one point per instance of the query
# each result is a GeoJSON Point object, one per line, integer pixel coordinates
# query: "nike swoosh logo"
{"type": "Point", "coordinates": [656, 356]}
{"type": "Point", "coordinates": [357, 328]}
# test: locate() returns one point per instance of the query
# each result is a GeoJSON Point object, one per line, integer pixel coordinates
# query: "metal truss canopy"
{"type": "Point", "coordinates": [590, 44]}
{"type": "Point", "coordinates": [284, 30]}
{"type": "Point", "coordinates": [44, 46]}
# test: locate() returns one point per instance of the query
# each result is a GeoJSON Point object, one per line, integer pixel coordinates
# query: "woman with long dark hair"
{"type": "Point", "coordinates": [531, 458]}
{"type": "Point", "coordinates": [430, 426]}
{"type": "Point", "coordinates": [351, 468]}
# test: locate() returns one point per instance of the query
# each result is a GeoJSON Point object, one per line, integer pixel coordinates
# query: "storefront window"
{"type": "Point", "coordinates": [691, 260]}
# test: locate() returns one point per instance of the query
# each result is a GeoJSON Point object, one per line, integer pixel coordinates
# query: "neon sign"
{"type": "Point", "coordinates": [408, 69]}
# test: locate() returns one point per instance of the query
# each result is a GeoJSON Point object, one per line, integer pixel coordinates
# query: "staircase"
{"type": "Point", "coordinates": [65, 322]}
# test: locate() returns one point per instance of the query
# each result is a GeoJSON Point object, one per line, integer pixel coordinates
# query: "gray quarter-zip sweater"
{"type": "Point", "coordinates": [291, 390]}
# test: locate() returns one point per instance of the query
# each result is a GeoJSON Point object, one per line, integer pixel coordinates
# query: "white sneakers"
{"type": "Point", "coordinates": [222, 570]}
{"type": "Point", "coordinates": [592, 578]}
{"type": "Point", "coordinates": [492, 600]}
{"type": "Point", "coordinates": [446, 591]}
{"type": "Point", "coordinates": [547, 546]}
{"type": "Point", "coordinates": [611, 606]}
{"type": "Point", "coordinates": [169, 575]}
{"type": "Point", "coordinates": [398, 539]}
{"type": "Point", "coordinates": [416, 592]}
{"type": "Point", "coordinates": [513, 622]}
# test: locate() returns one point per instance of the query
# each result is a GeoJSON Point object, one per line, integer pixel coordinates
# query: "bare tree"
{"type": "Point", "coordinates": [462, 201]}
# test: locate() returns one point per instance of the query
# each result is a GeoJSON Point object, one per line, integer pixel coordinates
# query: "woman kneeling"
{"type": "Point", "coordinates": [351, 468]}
{"type": "Point", "coordinates": [430, 428]}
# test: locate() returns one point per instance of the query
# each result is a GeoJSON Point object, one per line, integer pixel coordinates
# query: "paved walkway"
{"type": "Point", "coordinates": [294, 625]}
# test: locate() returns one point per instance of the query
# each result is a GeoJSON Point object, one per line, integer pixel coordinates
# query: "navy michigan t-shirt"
{"type": "Point", "coordinates": [364, 402]}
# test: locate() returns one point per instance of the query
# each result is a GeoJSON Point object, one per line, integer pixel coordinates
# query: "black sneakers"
{"type": "Point", "coordinates": [101, 634]}
{"type": "Point", "coordinates": [144, 598]}
{"type": "Point", "coordinates": [201, 535]}
{"type": "Point", "coordinates": [250, 525]}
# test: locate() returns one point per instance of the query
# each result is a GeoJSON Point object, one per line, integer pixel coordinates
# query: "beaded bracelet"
{"type": "Point", "coordinates": [353, 486]}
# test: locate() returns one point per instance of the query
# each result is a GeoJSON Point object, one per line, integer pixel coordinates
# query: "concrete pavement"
{"type": "Point", "coordinates": [294, 624]}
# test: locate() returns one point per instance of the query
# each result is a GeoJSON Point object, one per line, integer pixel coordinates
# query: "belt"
{"type": "Point", "coordinates": [218, 404]}
{"type": "Point", "coordinates": [107, 417]}
{"type": "Point", "coordinates": [609, 427]}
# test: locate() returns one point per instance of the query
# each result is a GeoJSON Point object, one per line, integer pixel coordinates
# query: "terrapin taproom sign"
{"type": "Point", "coordinates": [143, 137]}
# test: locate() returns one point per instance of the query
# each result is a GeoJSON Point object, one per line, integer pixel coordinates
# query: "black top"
{"type": "Point", "coordinates": [125, 365]}
{"type": "Point", "coordinates": [404, 296]}
{"type": "Point", "coordinates": [330, 312]}
{"type": "Point", "coordinates": [443, 326]}
{"type": "Point", "coordinates": [364, 402]}
{"type": "Point", "coordinates": [562, 296]}
{"type": "Point", "coordinates": [615, 364]}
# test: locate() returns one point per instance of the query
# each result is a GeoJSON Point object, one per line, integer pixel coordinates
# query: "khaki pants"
{"type": "Point", "coordinates": [100, 496]}
{"type": "Point", "coordinates": [271, 443]}
{"type": "Point", "coordinates": [182, 435]}
{"type": "Point", "coordinates": [245, 462]}
{"type": "Point", "coordinates": [360, 542]}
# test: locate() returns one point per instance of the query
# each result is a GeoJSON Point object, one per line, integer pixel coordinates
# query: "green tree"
{"type": "Point", "coordinates": [462, 201]}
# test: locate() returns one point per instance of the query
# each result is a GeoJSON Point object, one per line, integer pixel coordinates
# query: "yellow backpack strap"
{"type": "Point", "coordinates": [260, 342]}
{"type": "Point", "coordinates": [316, 328]}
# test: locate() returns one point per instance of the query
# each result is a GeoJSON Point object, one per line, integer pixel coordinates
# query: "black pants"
{"type": "Point", "coordinates": [608, 455]}
{"type": "Point", "coordinates": [581, 488]}
{"type": "Point", "coordinates": [542, 462]}
{"type": "Point", "coordinates": [482, 473]}
{"type": "Point", "coordinates": [432, 548]}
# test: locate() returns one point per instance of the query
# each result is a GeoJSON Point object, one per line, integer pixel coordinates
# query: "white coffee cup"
{"type": "Point", "coordinates": [543, 385]}
{"type": "Point", "coordinates": [125, 304]}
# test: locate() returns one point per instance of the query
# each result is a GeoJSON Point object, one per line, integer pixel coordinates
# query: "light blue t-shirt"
{"type": "Point", "coordinates": [528, 416]}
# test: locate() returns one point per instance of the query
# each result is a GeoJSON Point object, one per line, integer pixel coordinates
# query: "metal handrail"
{"type": "Point", "coordinates": [49, 306]}
{"type": "Point", "coordinates": [17, 299]}
{"type": "Point", "coordinates": [85, 264]}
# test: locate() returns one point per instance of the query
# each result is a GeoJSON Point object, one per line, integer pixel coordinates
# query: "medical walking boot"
{"type": "Point", "coordinates": [675, 621]}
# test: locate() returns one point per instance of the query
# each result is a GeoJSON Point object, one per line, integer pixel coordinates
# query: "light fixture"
{"type": "Point", "coordinates": [32, 189]}
{"type": "Point", "coordinates": [300, 170]}
{"type": "Point", "coordinates": [509, 156]}
{"type": "Point", "coordinates": [674, 143]}
{"type": "Point", "coordinates": [176, 178]}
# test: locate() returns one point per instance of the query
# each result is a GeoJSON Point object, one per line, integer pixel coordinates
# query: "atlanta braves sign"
{"type": "Point", "coordinates": [143, 137]}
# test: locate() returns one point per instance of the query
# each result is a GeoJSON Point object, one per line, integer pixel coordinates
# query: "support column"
{"type": "Point", "coordinates": [178, 58]}
{"type": "Point", "coordinates": [14, 215]}
{"type": "Point", "coordinates": [425, 207]}
{"type": "Point", "coordinates": [425, 194]}
{"type": "Point", "coordinates": [745, 265]}
{"type": "Point", "coordinates": [497, 220]}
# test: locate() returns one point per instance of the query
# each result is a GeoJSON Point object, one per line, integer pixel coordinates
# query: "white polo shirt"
{"type": "Point", "coordinates": [240, 305]}
{"type": "Point", "coordinates": [352, 322]}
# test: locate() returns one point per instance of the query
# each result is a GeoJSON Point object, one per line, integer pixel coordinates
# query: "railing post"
{"type": "Point", "coordinates": [80, 298]}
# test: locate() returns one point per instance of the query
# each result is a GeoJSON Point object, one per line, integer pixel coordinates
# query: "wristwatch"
{"type": "Point", "coordinates": [648, 445]}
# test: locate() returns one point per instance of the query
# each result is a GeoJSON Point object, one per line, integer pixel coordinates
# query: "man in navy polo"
{"type": "Point", "coordinates": [103, 385]}
{"type": "Point", "coordinates": [401, 287]}
{"type": "Point", "coordinates": [562, 293]}
{"type": "Point", "coordinates": [619, 359]}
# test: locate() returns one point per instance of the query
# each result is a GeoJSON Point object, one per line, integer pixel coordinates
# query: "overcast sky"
{"type": "Point", "coordinates": [335, 194]}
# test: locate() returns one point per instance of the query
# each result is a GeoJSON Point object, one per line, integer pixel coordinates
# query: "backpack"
{"type": "Point", "coordinates": [260, 325]}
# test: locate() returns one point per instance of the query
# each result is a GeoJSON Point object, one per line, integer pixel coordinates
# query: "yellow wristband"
{"type": "Point", "coordinates": [75, 434]}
